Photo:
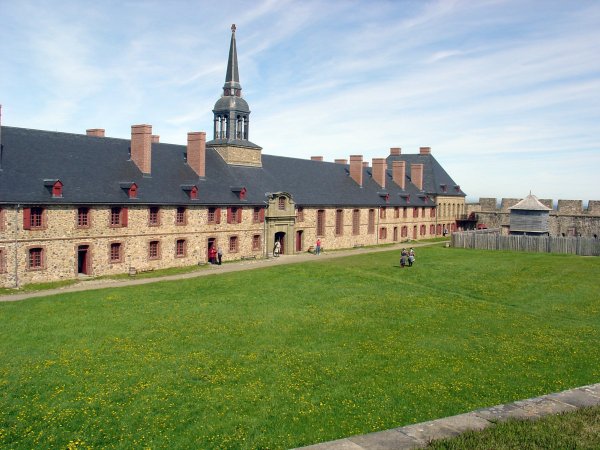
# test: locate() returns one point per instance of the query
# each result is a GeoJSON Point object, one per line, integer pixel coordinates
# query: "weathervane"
{"type": "Point", "coordinates": [233, 27]}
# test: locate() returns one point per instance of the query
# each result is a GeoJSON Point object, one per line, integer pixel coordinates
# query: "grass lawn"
{"type": "Point", "coordinates": [298, 354]}
{"type": "Point", "coordinates": [574, 430]}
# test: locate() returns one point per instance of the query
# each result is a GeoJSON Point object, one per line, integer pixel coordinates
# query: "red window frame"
{"type": "Point", "coordinates": [300, 214]}
{"type": "Point", "coordinates": [405, 212]}
{"type": "Point", "coordinates": [371, 225]}
{"type": "Point", "coordinates": [181, 215]}
{"type": "Point", "coordinates": [339, 222]}
{"type": "Point", "coordinates": [118, 217]}
{"type": "Point", "coordinates": [35, 258]}
{"type": "Point", "coordinates": [214, 215]}
{"type": "Point", "coordinates": [356, 222]}
{"type": "Point", "coordinates": [396, 212]}
{"type": "Point", "coordinates": [153, 216]}
{"type": "Point", "coordinates": [383, 233]}
{"type": "Point", "coordinates": [256, 242]}
{"type": "Point", "coordinates": [233, 244]}
{"type": "Point", "coordinates": [34, 218]}
{"type": "Point", "coordinates": [432, 212]}
{"type": "Point", "coordinates": [83, 217]}
{"type": "Point", "coordinates": [423, 230]}
{"type": "Point", "coordinates": [321, 222]}
{"type": "Point", "coordinates": [115, 252]}
{"type": "Point", "coordinates": [154, 250]}
{"type": "Point", "coordinates": [180, 248]}
{"type": "Point", "coordinates": [415, 212]}
{"type": "Point", "coordinates": [382, 212]}
{"type": "Point", "coordinates": [57, 189]}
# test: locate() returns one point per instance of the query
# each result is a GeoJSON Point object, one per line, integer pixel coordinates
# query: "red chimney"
{"type": "Point", "coordinates": [399, 173]}
{"type": "Point", "coordinates": [155, 138]}
{"type": "Point", "coordinates": [379, 166]}
{"type": "Point", "coordinates": [196, 152]}
{"type": "Point", "coordinates": [425, 150]}
{"type": "Point", "coordinates": [141, 147]}
{"type": "Point", "coordinates": [395, 151]}
{"type": "Point", "coordinates": [356, 168]}
{"type": "Point", "coordinates": [416, 175]}
{"type": "Point", "coordinates": [98, 132]}
{"type": "Point", "coordinates": [316, 158]}
{"type": "Point", "coordinates": [341, 161]}
{"type": "Point", "coordinates": [365, 164]}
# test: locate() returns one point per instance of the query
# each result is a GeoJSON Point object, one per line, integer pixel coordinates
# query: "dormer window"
{"type": "Point", "coordinates": [191, 190]}
{"type": "Point", "coordinates": [131, 189]}
{"type": "Point", "coordinates": [281, 203]}
{"type": "Point", "coordinates": [457, 188]}
{"type": "Point", "coordinates": [444, 187]}
{"type": "Point", "coordinates": [55, 187]}
{"type": "Point", "coordinates": [240, 191]}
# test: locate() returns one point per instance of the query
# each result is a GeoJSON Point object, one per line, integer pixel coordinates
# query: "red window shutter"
{"type": "Point", "coordinates": [218, 215]}
{"type": "Point", "coordinates": [261, 215]}
{"type": "Point", "coordinates": [27, 218]}
{"type": "Point", "coordinates": [239, 215]}
{"type": "Point", "coordinates": [229, 215]}
{"type": "Point", "coordinates": [124, 217]}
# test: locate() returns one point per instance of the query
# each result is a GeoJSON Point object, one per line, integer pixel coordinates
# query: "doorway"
{"type": "Point", "coordinates": [299, 243]}
{"type": "Point", "coordinates": [212, 243]}
{"type": "Point", "coordinates": [280, 237]}
{"type": "Point", "coordinates": [83, 259]}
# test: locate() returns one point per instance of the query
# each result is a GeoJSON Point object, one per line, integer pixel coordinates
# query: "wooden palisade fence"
{"type": "Point", "coordinates": [492, 240]}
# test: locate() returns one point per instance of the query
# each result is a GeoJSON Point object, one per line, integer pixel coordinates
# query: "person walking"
{"type": "Point", "coordinates": [403, 256]}
{"type": "Point", "coordinates": [411, 257]}
{"type": "Point", "coordinates": [318, 247]}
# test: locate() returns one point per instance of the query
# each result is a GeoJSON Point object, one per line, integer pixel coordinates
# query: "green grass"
{"type": "Point", "coordinates": [297, 354]}
{"type": "Point", "coordinates": [575, 430]}
{"type": "Point", "coordinates": [33, 287]}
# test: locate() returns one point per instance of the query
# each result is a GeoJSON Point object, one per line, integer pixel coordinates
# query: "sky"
{"type": "Point", "coordinates": [505, 92]}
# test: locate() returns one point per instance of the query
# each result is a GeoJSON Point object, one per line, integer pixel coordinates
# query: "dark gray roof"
{"type": "Point", "coordinates": [231, 103]}
{"type": "Point", "coordinates": [97, 170]}
{"type": "Point", "coordinates": [436, 180]}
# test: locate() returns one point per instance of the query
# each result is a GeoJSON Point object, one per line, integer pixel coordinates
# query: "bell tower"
{"type": "Point", "coordinates": [232, 119]}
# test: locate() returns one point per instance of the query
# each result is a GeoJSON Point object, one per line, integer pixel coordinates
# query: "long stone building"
{"type": "Point", "coordinates": [88, 204]}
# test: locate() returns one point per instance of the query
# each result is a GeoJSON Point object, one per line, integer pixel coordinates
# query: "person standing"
{"type": "Point", "coordinates": [219, 255]}
{"type": "Point", "coordinates": [403, 256]}
{"type": "Point", "coordinates": [411, 257]}
{"type": "Point", "coordinates": [212, 255]}
{"type": "Point", "coordinates": [318, 247]}
{"type": "Point", "coordinates": [276, 249]}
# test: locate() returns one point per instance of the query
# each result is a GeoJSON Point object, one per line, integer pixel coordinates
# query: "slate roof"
{"type": "Point", "coordinates": [94, 170]}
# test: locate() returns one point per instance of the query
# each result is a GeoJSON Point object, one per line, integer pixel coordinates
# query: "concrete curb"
{"type": "Point", "coordinates": [420, 434]}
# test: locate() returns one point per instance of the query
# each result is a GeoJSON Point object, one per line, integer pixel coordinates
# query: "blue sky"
{"type": "Point", "coordinates": [506, 93]}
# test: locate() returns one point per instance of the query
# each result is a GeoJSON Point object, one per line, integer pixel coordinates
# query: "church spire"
{"type": "Point", "coordinates": [232, 77]}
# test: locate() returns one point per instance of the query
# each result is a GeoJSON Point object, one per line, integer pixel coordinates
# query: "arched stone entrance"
{"type": "Point", "coordinates": [280, 218]}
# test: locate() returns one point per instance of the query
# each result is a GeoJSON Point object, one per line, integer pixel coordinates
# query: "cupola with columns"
{"type": "Point", "coordinates": [232, 119]}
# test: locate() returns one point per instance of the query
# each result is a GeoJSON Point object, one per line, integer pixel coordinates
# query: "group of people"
{"type": "Point", "coordinates": [215, 255]}
{"type": "Point", "coordinates": [407, 257]}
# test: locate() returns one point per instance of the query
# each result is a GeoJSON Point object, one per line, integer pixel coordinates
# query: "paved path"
{"type": "Point", "coordinates": [233, 266]}
{"type": "Point", "coordinates": [419, 435]}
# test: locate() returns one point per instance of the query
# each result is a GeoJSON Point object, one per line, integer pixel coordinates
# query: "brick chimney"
{"type": "Point", "coordinates": [425, 150]}
{"type": "Point", "coordinates": [365, 164]}
{"type": "Point", "coordinates": [416, 175]}
{"type": "Point", "coordinates": [141, 147]}
{"type": "Point", "coordinates": [155, 138]}
{"type": "Point", "coordinates": [196, 152]}
{"type": "Point", "coordinates": [341, 161]}
{"type": "Point", "coordinates": [379, 166]}
{"type": "Point", "coordinates": [356, 168]}
{"type": "Point", "coordinates": [395, 151]}
{"type": "Point", "coordinates": [316, 158]}
{"type": "Point", "coordinates": [399, 173]}
{"type": "Point", "coordinates": [98, 132]}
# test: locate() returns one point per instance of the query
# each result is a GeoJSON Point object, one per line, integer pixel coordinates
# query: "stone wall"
{"type": "Point", "coordinates": [568, 219]}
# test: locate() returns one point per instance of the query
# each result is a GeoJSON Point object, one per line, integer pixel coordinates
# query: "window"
{"type": "Point", "coordinates": [2, 260]}
{"type": "Point", "coordinates": [256, 242]}
{"type": "Point", "coordinates": [405, 212]}
{"type": "Point", "coordinates": [382, 212]}
{"type": "Point", "coordinates": [300, 215]}
{"type": "Point", "coordinates": [194, 193]}
{"type": "Point", "coordinates": [153, 216]}
{"type": "Point", "coordinates": [396, 212]}
{"type": "Point", "coordinates": [258, 215]}
{"type": "Point", "coordinates": [83, 217]}
{"type": "Point", "coordinates": [423, 230]}
{"type": "Point", "coordinates": [181, 215]}
{"type": "Point", "coordinates": [233, 244]}
{"type": "Point", "coordinates": [118, 216]}
{"type": "Point", "coordinates": [132, 191]}
{"type": "Point", "coordinates": [154, 250]}
{"type": "Point", "coordinates": [423, 212]}
{"type": "Point", "coordinates": [339, 222]}
{"type": "Point", "coordinates": [57, 189]}
{"type": "Point", "coordinates": [371, 225]}
{"type": "Point", "coordinates": [415, 212]}
{"type": "Point", "coordinates": [234, 215]}
{"type": "Point", "coordinates": [2, 226]}
{"type": "Point", "coordinates": [214, 215]}
{"type": "Point", "coordinates": [34, 218]}
{"type": "Point", "coordinates": [356, 222]}
{"type": "Point", "coordinates": [383, 233]}
{"type": "Point", "coordinates": [432, 212]}
{"type": "Point", "coordinates": [321, 222]}
{"type": "Point", "coordinates": [281, 202]}
{"type": "Point", "coordinates": [36, 258]}
{"type": "Point", "coordinates": [404, 231]}
{"type": "Point", "coordinates": [395, 233]}
{"type": "Point", "coordinates": [243, 194]}
{"type": "Point", "coordinates": [180, 248]}
{"type": "Point", "coordinates": [431, 229]}
{"type": "Point", "coordinates": [116, 252]}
